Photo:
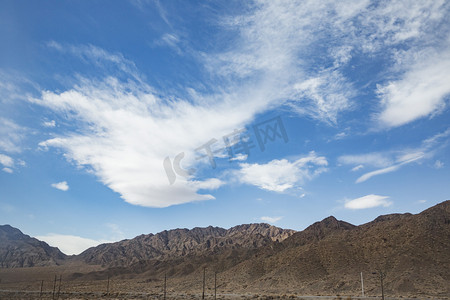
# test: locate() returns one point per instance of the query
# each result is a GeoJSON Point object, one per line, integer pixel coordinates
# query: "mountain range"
{"type": "Point", "coordinates": [411, 251]}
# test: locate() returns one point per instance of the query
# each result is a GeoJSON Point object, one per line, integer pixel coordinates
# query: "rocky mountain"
{"type": "Point", "coordinates": [183, 242]}
{"type": "Point", "coordinates": [20, 250]}
{"type": "Point", "coordinates": [412, 251]}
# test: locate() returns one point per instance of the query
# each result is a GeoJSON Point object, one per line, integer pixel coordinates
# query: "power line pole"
{"type": "Point", "coordinates": [54, 288]}
{"type": "Point", "coordinates": [382, 286]}
{"type": "Point", "coordinates": [59, 287]}
{"type": "Point", "coordinates": [215, 285]}
{"type": "Point", "coordinates": [165, 285]}
{"type": "Point", "coordinates": [362, 284]}
{"type": "Point", "coordinates": [42, 286]}
{"type": "Point", "coordinates": [204, 281]}
{"type": "Point", "coordinates": [382, 276]}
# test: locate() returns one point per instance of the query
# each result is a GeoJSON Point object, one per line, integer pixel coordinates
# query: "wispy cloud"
{"type": "Point", "coordinates": [6, 161]}
{"type": "Point", "coordinates": [8, 170]}
{"type": "Point", "coordinates": [70, 244]}
{"type": "Point", "coordinates": [126, 136]}
{"type": "Point", "coordinates": [63, 186]}
{"type": "Point", "coordinates": [99, 57]}
{"type": "Point", "coordinates": [357, 168]}
{"type": "Point", "coordinates": [116, 233]}
{"type": "Point", "coordinates": [171, 40]}
{"type": "Point", "coordinates": [271, 220]}
{"type": "Point", "coordinates": [421, 91]}
{"type": "Point", "coordinates": [368, 201]}
{"type": "Point", "coordinates": [375, 159]}
{"type": "Point", "coordinates": [390, 161]}
{"type": "Point", "coordinates": [9, 164]}
{"type": "Point", "coordinates": [11, 136]}
{"type": "Point", "coordinates": [369, 175]}
{"type": "Point", "coordinates": [438, 164]}
{"type": "Point", "coordinates": [124, 128]}
{"type": "Point", "coordinates": [281, 175]}
{"type": "Point", "coordinates": [51, 123]}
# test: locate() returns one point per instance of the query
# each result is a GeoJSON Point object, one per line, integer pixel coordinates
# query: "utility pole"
{"type": "Point", "coordinates": [42, 285]}
{"type": "Point", "coordinates": [204, 281]}
{"type": "Point", "coordinates": [165, 285]}
{"type": "Point", "coordinates": [382, 275]}
{"type": "Point", "coordinates": [59, 287]}
{"type": "Point", "coordinates": [215, 285]}
{"type": "Point", "coordinates": [54, 288]}
{"type": "Point", "coordinates": [362, 284]}
{"type": "Point", "coordinates": [107, 287]}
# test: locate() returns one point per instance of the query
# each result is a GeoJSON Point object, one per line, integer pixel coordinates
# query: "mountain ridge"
{"type": "Point", "coordinates": [329, 255]}
{"type": "Point", "coordinates": [20, 250]}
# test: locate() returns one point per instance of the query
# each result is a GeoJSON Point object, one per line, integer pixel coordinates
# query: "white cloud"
{"type": "Point", "coordinates": [124, 130]}
{"type": "Point", "coordinates": [281, 175]}
{"type": "Point", "coordinates": [375, 159]}
{"type": "Point", "coordinates": [170, 40]}
{"type": "Point", "coordinates": [271, 220]}
{"type": "Point", "coordinates": [438, 164]}
{"type": "Point", "coordinates": [390, 161]}
{"type": "Point", "coordinates": [51, 123]}
{"type": "Point", "coordinates": [368, 201]}
{"type": "Point", "coordinates": [357, 168]}
{"type": "Point", "coordinates": [7, 170]}
{"type": "Point", "coordinates": [69, 244]}
{"type": "Point", "coordinates": [369, 175]}
{"type": "Point", "coordinates": [125, 137]}
{"type": "Point", "coordinates": [422, 91]}
{"type": "Point", "coordinates": [6, 160]}
{"type": "Point", "coordinates": [99, 57]}
{"type": "Point", "coordinates": [340, 135]}
{"type": "Point", "coordinates": [63, 186]}
{"type": "Point", "coordinates": [323, 97]}
{"type": "Point", "coordinates": [239, 157]}
{"type": "Point", "coordinates": [11, 136]}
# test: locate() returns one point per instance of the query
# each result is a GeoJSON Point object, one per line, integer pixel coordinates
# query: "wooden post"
{"type": "Point", "coordinates": [59, 287]}
{"type": "Point", "coordinates": [215, 285]}
{"type": "Point", "coordinates": [54, 288]}
{"type": "Point", "coordinates": [165, 285]}
{"type": "Point", "coordinates": [42, 286]}
{"type": "Point", "coordinates": [107, 287]}
{"type": "Point", "coordinates": [204, 281]}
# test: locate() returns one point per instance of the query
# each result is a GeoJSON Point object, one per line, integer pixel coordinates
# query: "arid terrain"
{"type": "Point", "coordinates": [248, 261]}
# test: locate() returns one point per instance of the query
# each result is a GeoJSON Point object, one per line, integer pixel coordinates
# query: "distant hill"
{"type": "Point", "coordinates": [412, 251]}
{"type": "Point", "coordinates": [20, 250]}
{"type": "Point", "coordinates": [184, 242]}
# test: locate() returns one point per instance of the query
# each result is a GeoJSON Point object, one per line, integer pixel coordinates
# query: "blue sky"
{"type": "Point", "coordinates": [126, 117]}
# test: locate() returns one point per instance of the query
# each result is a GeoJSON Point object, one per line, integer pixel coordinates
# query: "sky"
{"type": "Point", "coordinates": [121, 118]}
